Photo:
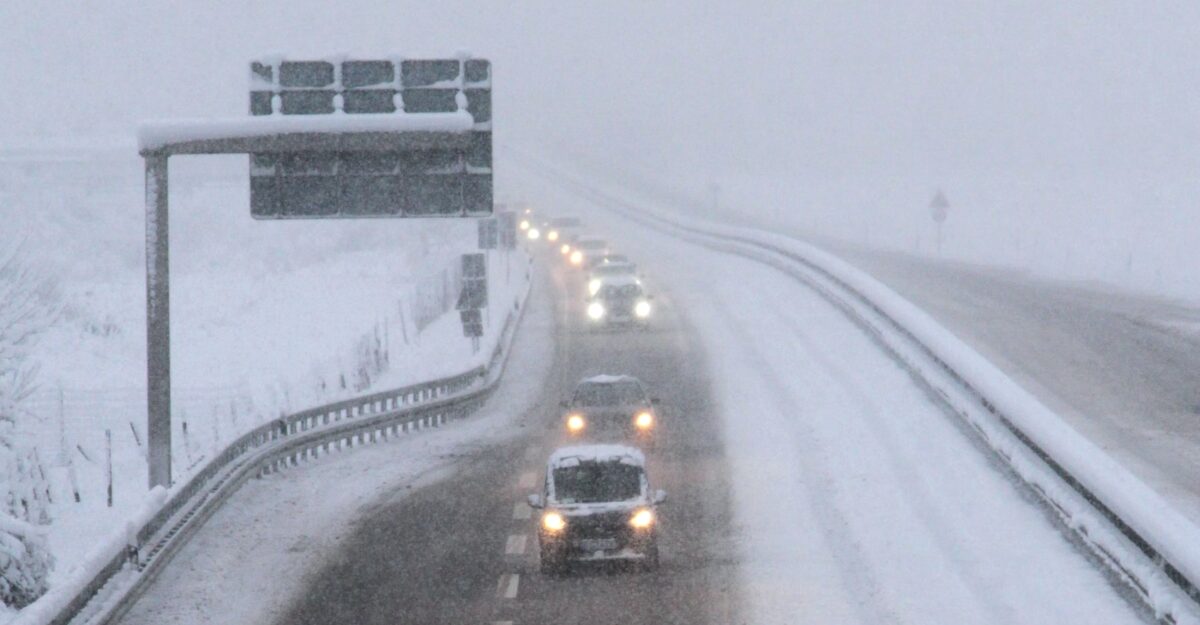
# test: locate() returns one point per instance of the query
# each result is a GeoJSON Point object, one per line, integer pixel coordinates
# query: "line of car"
{"type": "Point", "coordinates": [596, 502]}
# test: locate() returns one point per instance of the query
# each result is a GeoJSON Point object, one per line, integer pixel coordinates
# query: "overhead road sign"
{"type": "Point", "coordinates": [438, 177]}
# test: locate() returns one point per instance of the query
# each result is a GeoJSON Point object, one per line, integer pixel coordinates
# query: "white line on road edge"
{"type": "Point", "coordinates": [516, 545]}
{"type": "Point", "coordinates": [522, 511]}
{"type": "Point", "coordinates": [506, 588]}
{"type": "Point", "coordinates": [528, 479]}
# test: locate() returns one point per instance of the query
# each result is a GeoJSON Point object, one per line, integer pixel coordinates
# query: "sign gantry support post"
{"type": "Point", "coordinates": [158, 323]}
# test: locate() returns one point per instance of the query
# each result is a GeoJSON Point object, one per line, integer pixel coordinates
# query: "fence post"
{"type": "Point", "coordinates": [108, 470]}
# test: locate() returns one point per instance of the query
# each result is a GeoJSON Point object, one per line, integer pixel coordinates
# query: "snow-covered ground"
{"type": "Point", "coordinates": [247, 562]}
{"type": "Point", "coordinates": [1123, 369]}
{"type": "Point", "coordinates": [857, 498]}
{"type": "Point", "coordinates": [267, 317]}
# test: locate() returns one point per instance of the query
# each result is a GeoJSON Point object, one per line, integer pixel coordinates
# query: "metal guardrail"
{"type": "Point", "coordinates": [282, 443]}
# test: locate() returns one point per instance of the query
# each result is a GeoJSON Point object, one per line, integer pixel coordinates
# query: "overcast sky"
{"type": "Point", "coordinates": [919, 88]}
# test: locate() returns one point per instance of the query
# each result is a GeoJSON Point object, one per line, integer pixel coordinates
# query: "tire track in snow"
{"type": "Point", "coordinates": [854, 573]}
{"type": "Point", "coordinates": [902, 459]}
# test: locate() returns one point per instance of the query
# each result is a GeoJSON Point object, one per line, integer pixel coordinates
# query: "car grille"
{"type": "Point", "coordinates": [601, 525]}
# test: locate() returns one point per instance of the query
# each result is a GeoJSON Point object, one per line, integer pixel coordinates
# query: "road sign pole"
{"type": "Point", "coordinates": [158, 324]}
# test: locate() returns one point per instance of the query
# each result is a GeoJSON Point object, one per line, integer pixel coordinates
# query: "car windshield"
{"type": "Point", "coordinates": [620, 291]}
{"type": "Point", "coordinates": [609, 394]}
{"type": "Point", "coordinates": [595, 482]}
{"type": "Point", "coordinates": [620, 269]}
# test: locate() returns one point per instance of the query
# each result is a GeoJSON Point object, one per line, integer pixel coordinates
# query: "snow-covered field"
{"type": "Point", "coordinates": [267, 318]}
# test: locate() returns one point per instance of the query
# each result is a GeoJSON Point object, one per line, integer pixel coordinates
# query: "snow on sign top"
{"type": "Point", "coordinates": [155, 135]}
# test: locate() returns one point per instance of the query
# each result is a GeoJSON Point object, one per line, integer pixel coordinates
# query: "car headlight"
{"type": "Point", "coordinates": [576, 257]}
{"type": "Point", "coordinates": [552, 235]}
{"type": "Point", "coordinates": [644, 420]}
{"type": "Point", "coordinates": [554, 522]}
{"type": "Point", "coordinates": [642, 309]}
{"type": "Point", "coordinates": [593, 286]}
{"type": "Point", "coordinates": [576, 423]}
{"type": "Point", "coordinates": [534, 234]}
{"type": "Point", "coordinates": [642, 519]}
{"type": "Point", "coordinates": [525, 224]}
{"type": "Point", "coordinates": [595, 311]}
{"type": "Point", "coordinates": [565, 249]}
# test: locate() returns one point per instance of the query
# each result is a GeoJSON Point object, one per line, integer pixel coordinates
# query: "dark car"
{"type": "Point", "coordinates": [611, 407]}
{"type": "Point", "coordinates": [597, 506]}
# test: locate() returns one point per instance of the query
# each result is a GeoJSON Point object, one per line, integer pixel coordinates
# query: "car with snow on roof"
{"type": "Point", "coordinates": [609, 271]}
{"type": "Point", "coordinates": [596, 506]}
{"type": "Point", "coordinates": [611, 407]}
{"type": "Point", "coordinates": [620, 301]}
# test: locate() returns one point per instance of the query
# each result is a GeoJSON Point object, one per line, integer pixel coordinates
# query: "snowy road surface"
{"type": "Point", "coordinates": [1123, 370]}
{"type": "Point", "coordinates": [811, 481]}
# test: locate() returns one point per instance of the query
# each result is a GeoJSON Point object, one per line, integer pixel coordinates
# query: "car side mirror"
{"type": "Point", "coordinates": [535, 501]}
{"type": "Point", "coordinates": [660, 496]}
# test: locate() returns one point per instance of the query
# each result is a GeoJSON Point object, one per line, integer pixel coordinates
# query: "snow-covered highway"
{"type": "Point", "coordinates": [857, 499]}
{"type": "Point", "coordinates": [812, 481]}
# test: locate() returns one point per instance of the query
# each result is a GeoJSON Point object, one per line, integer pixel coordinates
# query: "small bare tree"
{"type": "Point", "coordinates": [28, 305]}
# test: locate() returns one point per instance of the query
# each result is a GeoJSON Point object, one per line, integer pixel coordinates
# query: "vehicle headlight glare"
{"type": "Point", "coordinates": [565, 249]}
{"type": "Point", "coordinates": [552, 236]}
{"type": "Point", "coordinates": [642, 519]}
{"type": "Point", "coordinates": [524, 224]}
{"type": "Point", "coordinates": [554, 522]}
{"type": "Point", "coordinates": [595, 311]}
{"type": "Point", "coordinates": [643, 420]}
{"type": "Point", "coordinates": [576, 423]}
{"type": "Point", "coordinates": [534, 234]}
{"type": "Point", "coordinates": [576, 257]}
{"type": "Point", "coordinates": [642, 309]}
{"type": "Point", "coordinates": [593, 286]}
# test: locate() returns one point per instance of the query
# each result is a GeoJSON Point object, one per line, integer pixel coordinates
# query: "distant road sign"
{"type": "Point", "coordinates": [472, 322]}
{"type": "Point", "coordinates": [939, 207]}
{"type": "Point", "coordinates": [474, 282]}
{"type": "Point", "coordinates": [507, 229]}
{"type": "Point", "coordinates": [446, 175]}
{"type": "Point", "coordinates": [488, 234]}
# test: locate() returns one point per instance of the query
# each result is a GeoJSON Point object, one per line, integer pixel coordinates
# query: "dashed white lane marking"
{"type": "Point", "coordinates": [515, 545]}
{"type": "Point", "coordinates": [506, 588]}
{"type": "Point", "coordinates": [528, 479]}
{"type": "Point", "coordinates": [502, 623]}
{"type": "Point", "coordinates": [522, 511]}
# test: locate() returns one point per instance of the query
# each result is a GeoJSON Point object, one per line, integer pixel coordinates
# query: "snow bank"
{"type": "Point", "coordinates": [1167, 531]}
{"type": "Point", "coordinates": [92, 568]}
{"type": "Point", "coordinates": [157, 134]}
